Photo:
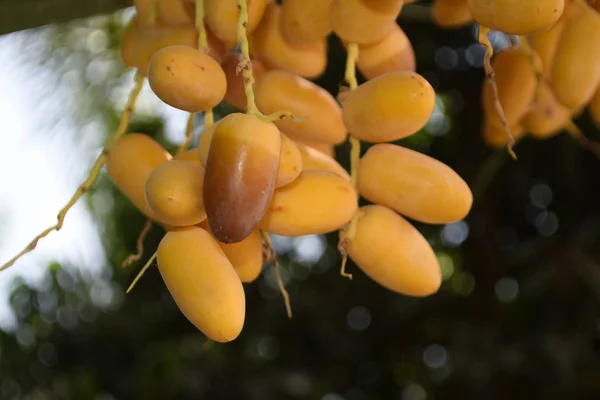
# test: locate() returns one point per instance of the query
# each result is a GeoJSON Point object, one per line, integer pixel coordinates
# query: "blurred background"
{"type": "Point", "coordinates": [517, 317]}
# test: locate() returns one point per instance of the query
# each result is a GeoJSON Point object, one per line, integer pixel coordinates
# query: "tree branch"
{"type": "Point", "coordinates": [17, 15]}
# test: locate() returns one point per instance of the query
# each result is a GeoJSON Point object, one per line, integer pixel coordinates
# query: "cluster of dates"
{"type": "Point", "coordinates": [269, 168]}
{"type": "Point", "coordinates": [550, 78]}
{"type": "Point", "coordinates": [276, 172]}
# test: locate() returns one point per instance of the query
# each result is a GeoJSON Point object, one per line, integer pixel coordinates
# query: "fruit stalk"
{"type": "Point", "coordinates": [202, 46]}
{"type": "Point", "coordinates": [152, 16]}
{"type": "Point", "coordinates": [272, 257]}
{"type": "Point", "coordinates": [245, 68]}
{"type": "Point", "coordinates": [489, 73]}
{"type": "Point", "coordinates": [142, 271]}
{"type": "Point", "coordinates": [350, 77]}
{"type": "Point", "coordinates": [139, 245]}
{"type": "Point", "coordinates": [348, 234]}
{"type": "Point", "coordinates": [189, 131]}
{"type": "Point", "coordinates": [95, 171]}
{"type": "Point", "coordinates": [537, 66]}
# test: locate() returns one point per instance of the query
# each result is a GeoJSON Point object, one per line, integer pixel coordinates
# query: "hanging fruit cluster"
{"type": "Point", "coordinates": [269, 168]}
{"type": "Point", "coordinates": [550, 77]}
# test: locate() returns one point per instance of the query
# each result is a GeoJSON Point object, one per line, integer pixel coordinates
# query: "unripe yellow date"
{"type": "Point", "coordinates": [281, 90]}
{"type": "Point", "coordinates": [545, 42]}
{"type": "Point", "coordinates": [129, 40]}
{"type": "Point", "coordinates": [324, 148]}
{"type": "Point", "coordinates": [516, 17]}
{"type": "Point", "coordinates": [313, 159]}
{"type": "Point", "coordinates": [305, 21]}
{"type": "Point", "coordinates": [494, 134]}
{"type": "Point", "coordinates": [290, 162]}
{"type": "Point", "coordinates": [548, 117]}
{"type": "Point", "coordinates": [186, 78]}
{"type": "Point", "coordinates": [317, 202]}
{"type": "Point", "coordinates": [190, 156]}
{"type": "Point", "coordinates": [413, 184]}
{"type": "Point", "coordinates": [241, 171]}
{"type": "Point", "coordinates": [129, 164]}
{"type": "Point", "coordinates": [390, 107]}
{"type": "Point", "coordinates": [222, 18]}
{"type": "Point", "coordinates": [356, 21]}
{"type": "Point", "coordinates": [307, 60]}
{"type": "Point", "coordinates": [451, 13]}
{"type": "Point", "coordinates": [143, 9]}
{"type": "Point", "coordinates": [202, 282]}
{"type": "Point", "coordinates": [174, 193]}
{"type": "Point", "coordinates": [393, 53]}
{"type": "Point", "coordinates": [152, 40]}
{"type": "Point", "coordinates": [393, 253]}
{"type": "Point", "coordinates": [204, 142]}
{"type": "Point", "coordinates": [235, 94]}
{"type": "Point", "coordinates": [174, 13]}
{"type": "Point", "coordinates": [246, 256]}
{"type": "Point", "coordinates": [576, 68]}
{"type": "Point", "coordinates": [516, 82]}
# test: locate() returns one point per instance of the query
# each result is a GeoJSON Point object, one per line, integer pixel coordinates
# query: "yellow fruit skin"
{"type": "Point", "coordinates": [290, 162]}
{"type": "Point", "coordinates": [241, 171]}
{"type": "Point", "coordinates": [515, 78]}
{"type": "Point", "coordinates": [129, 41]}
{"type": "Point", "coordinates": [174, 193]}
{"type": "Point", "coordinates": [204, 142]}
{"type": "Point", "coordinates": [576, 68]}
{"type": "Point", "coordinates": [392, 252]}
{"type": "Point", "coordinates": [356, 21]}
{"type": "Point", "coordinates": [516, 17]}
{"type": "Point", "coordinates": [545, 42]}
{"type": "Point", "coordinates": [548, 118]}
{"type": "Point", "coordinates": [413, 184]}
{"type": "Point", "coordinates": [305, 21]}
{"type": "Point", "coordinates": [190, 156]}
{"type": "Point", "coordinates": [246, 256]}
{"type": "Point", "coordinates": [281, 90]}
{"type": "Point", "coordinates": [324, 148]}
{"type": "Point", "coordinates": [186, 78]}
{"type": "Point", "coordinates": [202, 282]}
{"type": "Point", "coordinates": [174, 13]}
{"type": "Point", "coordinates": [308, 61]}
{"type": "Point", "coordinates": [313, 159]}
{"type": "Point", "coordinates": [451, 13]}
{"type": "Point", "coordinates": [143, 11]}
{"type": "Point", "coordinates": [152, 40]}
{"type": "Point", "coordinates": [222, 18]}
{"type": "Point", "coordinates": [235, 94]}
{"type": "Point", "coordinates": [393, 53]}
{"type": "Point", "coordinates": [494, 134]}
{"type": "Point", "coordinates": [594, 108]}
{"type": "Point", "coordinates": [390, 107]}
{"type": "Point", "coordinates": [130, 162]}
{"type": "Point", "coordinates": [317, 202]}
